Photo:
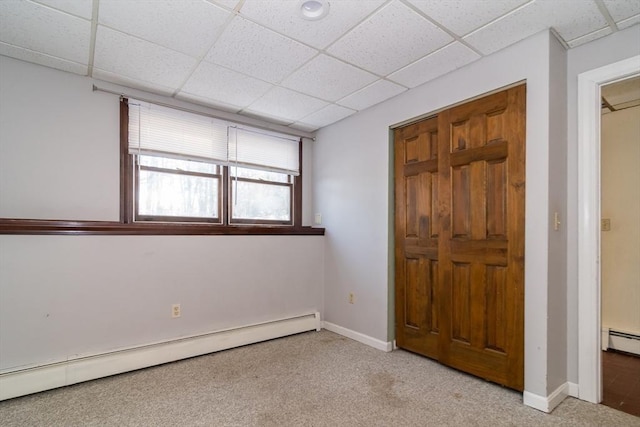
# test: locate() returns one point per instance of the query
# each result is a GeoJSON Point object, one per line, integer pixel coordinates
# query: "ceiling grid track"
{"type": "Point", "coordinates": [263, 59]}
{"type": "Point", "coordinates": [94, 30]}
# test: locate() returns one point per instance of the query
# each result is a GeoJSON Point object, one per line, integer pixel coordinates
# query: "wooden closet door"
{"type": "Point", "coordinates": [459, 228]}
{"type": "Point", "coordinates": [481, 244]}
{"type": "Point", "coordinates": [416, 231]}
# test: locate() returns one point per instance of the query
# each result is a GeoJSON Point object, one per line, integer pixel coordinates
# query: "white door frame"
{"type": "Point", "coordinates": [589, 113]}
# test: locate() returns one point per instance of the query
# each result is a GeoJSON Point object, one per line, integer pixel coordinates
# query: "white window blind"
{"type": "Point", "coordinates": [158, 130]}
{"type": "Point", "coordinates": [259, 150]}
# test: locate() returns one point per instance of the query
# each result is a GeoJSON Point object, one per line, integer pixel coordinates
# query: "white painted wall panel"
{"type": "Point", "coordinates": [63, 296]}
{"type": "Point", "coordinates": [557, 275]}
{"type": "Point", "coordinates": [59, 145]}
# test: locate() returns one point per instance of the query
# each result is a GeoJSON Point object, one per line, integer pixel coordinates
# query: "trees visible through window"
{"type": "Point", "coordinates": [177, 189]}
{"type": "Point", "coordinates": [260, 195]}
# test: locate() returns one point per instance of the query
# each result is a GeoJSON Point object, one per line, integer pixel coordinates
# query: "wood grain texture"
{"type": "Point", "coordinates": [416, 230]}
{"type": "Point", "coordinates": [459, 198]}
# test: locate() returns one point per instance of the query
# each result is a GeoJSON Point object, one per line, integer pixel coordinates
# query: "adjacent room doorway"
{"type": "Point", "coordinates": [589, 215]}
{"type": "Point", "coordinates": [620, 244]}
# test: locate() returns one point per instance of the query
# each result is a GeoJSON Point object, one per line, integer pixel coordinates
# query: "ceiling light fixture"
{"type": "Point", "coordinates": [313, 10]}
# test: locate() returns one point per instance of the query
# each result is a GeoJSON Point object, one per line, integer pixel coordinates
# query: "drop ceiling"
{"type": "Point", "coordinates": [259, 58]}
{"type": "Point", "coordinates": [621, 95]}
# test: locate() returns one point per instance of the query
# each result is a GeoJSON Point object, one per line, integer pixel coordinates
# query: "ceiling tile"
{"type": "Point", "coordinates": [84, 9]}
{"type": "Point", "coordinates": [140, 60]}
{"type": "Point", "coordinates": [589, 37]}
{"type": "Point", "coordinates": [571, 18]}
{"type": "Point", "coordinates": [45, 30]}
{"type": "Point", "coordinates": [283, 16]}
{"type": "Point", "coordinates": [254, 50]}
{"type": "Point", "coordinates": [447, 59]}
{"type": "Point", "coordinates": [208, 102]}
{"type": "Point", "coordinates": [622, 92]}
{"type": "Point", "coordinates": [268, 117]}
{"type": "Point", "coordinates": [328, 78]}
{"type": "Point", "coordinates": [121, 80]}
{"type": "Point", "coordinates": [510, 29]}
{"type": "Point", "coordinates": [213, 82]}
{"type": "Point", "coordinates": [390, 39]}
{"type": "Point", "coordinates": [286, 104]}
{"type": "Point", "coordinates": [329, 114]}
{"type": "Point", "coordinates": [628, 22]}
{"type": "Point", "coordinates": [303, 127]}
{"type": "Point", "coordinates": [229, 4]}
{"type": "Point", "coordinates": [42, 59]}
{"type": "Point", "coordinates": [622, 9]}
{"type": "Point", "coordinates": [372, 94]}
{"type": "Point", "coordinates": [188, 26]}
{"type": "Point", "coordinates": [464, 16]}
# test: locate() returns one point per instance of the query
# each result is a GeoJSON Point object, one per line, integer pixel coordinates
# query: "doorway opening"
{"type": "Point", "coordinates": [589, 215]}
{"type": "Point", "coordinates": [620, 245]}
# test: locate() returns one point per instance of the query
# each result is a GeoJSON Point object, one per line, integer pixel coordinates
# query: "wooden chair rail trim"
{"type": "Point", "coordinates": [69, 227]}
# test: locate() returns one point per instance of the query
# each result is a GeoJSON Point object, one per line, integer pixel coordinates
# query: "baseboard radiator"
{"type": "Point", "coordinates": [45, 377]}
{"type": "Point", "coordinates": [620, 340]}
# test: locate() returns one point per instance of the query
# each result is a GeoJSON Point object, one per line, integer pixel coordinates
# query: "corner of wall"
{"type": "Point", "coordinates": [546, 403]}
{"type": "Point", "coordinates": [557, 230]}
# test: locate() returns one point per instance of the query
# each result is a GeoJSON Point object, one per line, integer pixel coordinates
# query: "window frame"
{"type": "Point", "coordinates": [174, 218]}
{"type": "Point", "coordinates": [128, 192]}
{"type": "Point", "coordinates": [240, 221]}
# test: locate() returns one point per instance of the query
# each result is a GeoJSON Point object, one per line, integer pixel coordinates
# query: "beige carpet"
{"type": "Point", "coordinates": [312, 379]}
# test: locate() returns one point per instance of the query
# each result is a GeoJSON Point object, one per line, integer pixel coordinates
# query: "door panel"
{"type": "Point", "coordinates": [460, 222]}
{"type": "Point", "coordinates": [417, 229]}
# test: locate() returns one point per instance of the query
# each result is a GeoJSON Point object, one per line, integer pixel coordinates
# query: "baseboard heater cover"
{"type": "Point", "coordinates": [46, 377]}
{"type": "Point", "coordinates": [623, 341]}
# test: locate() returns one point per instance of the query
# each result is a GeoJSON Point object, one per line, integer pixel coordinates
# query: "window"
{"type": "Point", "coordinates": [177, 190]}
{"type": "Point", "coordinates": [260, 195]}
{"type": "Point", "coordinates": [181, 166]}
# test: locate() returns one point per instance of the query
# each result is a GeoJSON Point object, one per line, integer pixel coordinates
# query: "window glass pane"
{"type": "Point", "coordinates": [259, 174]}
{"type": "Point", "coordinates": [167, 194]}
{"type": "Point", "coordinates": [177, 164]}
{"type": "Point", "coordinates": [261, 201]}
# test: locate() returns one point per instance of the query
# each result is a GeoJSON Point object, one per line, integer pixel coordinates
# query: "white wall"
{"type": "Point", "coordinates": [67, 295]}
{"type": "Point", "coordinates": [59, 145]}
{"type": "Point", "coordinates": [351, 172]}
{"type": "Point", "coordinates": [557, 275]}
{"type": "Point", "coordinates": [616, 47]}
{"type": "Point", "coordinates": [620, 157]}
{"type": "Point", "coordinates": [76, 295]}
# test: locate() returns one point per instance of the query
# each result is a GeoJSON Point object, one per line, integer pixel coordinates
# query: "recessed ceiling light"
{"type": "Point", "coordinates": [313, 10]}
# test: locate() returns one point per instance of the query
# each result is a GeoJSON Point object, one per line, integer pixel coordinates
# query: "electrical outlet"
{"type": "Point", "coordinates": [351, 298]}
{"type": "Point", "coordinates": [175, 311]}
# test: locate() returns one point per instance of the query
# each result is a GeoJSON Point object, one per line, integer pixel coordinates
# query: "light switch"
{"type": "Point", "coordinates": [318, 219]}
{"type": "Point", "coordinates": [606, 224]}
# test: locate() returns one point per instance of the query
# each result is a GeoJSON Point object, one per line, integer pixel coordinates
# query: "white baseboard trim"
{"type": "Point", "coordinates": [357, 336]}
{"type": "Point", "coordinates": [33, 380]}
{"type": "Point", "coordinates": [573, 390]}
{"type": "Point", "coordinates": [548, 403]}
